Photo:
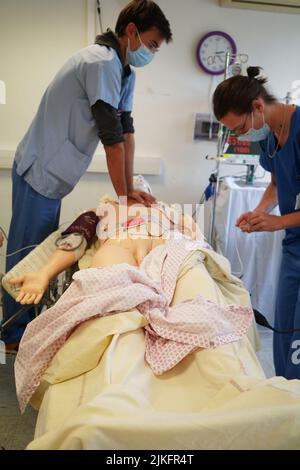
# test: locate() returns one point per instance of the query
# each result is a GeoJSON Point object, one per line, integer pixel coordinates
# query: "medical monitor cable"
{"type": "Point", "coordinates": [30, 246]}
{"type": "Point", "coordinates": [259, 318]}
{"type": "Point", "coordinates": [14, 252]}
{"type": "Point", "coordinates": [262, 321]}
{"type": "Point", "coordinates": [18, 251]}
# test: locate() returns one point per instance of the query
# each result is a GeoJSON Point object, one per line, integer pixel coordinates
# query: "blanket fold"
{"type": "Point", "coordinates": [172, 331]}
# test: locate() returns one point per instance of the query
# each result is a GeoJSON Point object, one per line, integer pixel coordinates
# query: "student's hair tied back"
{"type": "Point", "coordinates": [254, 73]}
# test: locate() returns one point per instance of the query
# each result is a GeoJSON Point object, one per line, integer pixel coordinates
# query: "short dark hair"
{"type": "Point", "coordinates": [145, 14]}
{"type": "Point", "coordinates": [237, 93]}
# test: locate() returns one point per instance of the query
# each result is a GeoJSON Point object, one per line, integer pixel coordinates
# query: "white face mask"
{"type": "Point", "coordinates": [256, 135]}
{"type": "Point", "coordinates": [141, 57]}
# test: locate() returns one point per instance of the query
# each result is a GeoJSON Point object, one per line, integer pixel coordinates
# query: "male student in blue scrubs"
{"type": "Point", "coordinates": [244, 106]}
{"type": "Point", "coordinates": [89, 99]}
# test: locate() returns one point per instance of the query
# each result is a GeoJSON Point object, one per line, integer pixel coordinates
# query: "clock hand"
{"type": "Point", "coordinates": [221, 58]}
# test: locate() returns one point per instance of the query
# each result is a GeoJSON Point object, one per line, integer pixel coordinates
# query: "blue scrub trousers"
{"type": "Point", "coordinates": [286, 347]}
{"type": "Point", "coordinates": [34, 217]}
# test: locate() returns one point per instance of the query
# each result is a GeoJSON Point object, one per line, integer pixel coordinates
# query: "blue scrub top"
{"type": "Point", "coordinates": [285, 166]}
{"type": "Point", "coordinates": [60, 143]}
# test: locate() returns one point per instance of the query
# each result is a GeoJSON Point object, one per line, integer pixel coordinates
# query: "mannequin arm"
{"type": "Point", "coordinates": [33, 285]}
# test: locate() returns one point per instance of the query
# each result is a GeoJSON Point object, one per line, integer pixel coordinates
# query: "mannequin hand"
{"type": "Point", "coordinates": [32, 287]}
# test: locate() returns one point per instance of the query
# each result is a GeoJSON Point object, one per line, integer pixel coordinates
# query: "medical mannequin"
{"type": "Point", "coordinates": [90, 98]}
{"type": "Point", "coordinates": [244, 106]}
{"type": "Point", "coordinates": [128, 241]}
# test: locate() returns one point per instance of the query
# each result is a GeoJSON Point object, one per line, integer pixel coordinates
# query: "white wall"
{"type": "Point", "coordinates": [37, 36]}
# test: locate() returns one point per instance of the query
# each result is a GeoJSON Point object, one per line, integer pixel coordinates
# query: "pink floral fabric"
{"type": "Point", "coordinates": [172, 332]}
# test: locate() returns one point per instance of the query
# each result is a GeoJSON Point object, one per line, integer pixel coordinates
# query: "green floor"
{"type": "Point", "coordinates": [16, 431]}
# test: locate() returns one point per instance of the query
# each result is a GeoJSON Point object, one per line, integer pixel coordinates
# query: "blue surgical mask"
{"type": "Point", "coordinates": [256, 135]}
{"type": "Point", "coordinates": [142, 56]}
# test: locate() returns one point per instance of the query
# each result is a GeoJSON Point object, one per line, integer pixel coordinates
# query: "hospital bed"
{"type": "Point", "coordinates": [99, 392]}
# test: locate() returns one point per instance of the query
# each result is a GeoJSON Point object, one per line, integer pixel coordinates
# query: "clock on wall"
{"type": "Point", "coordinates": [211, 51]}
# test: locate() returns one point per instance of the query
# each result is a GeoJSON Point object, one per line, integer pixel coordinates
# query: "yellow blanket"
{"type": "Point", "coordinates": [99, 393]}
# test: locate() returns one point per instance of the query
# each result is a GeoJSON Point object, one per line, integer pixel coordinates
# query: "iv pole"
{"type": "Point", "coordinates": [219, 156]}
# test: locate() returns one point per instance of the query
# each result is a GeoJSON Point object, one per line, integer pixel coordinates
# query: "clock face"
{"type": "Point", "coordinates": [211, 52]}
